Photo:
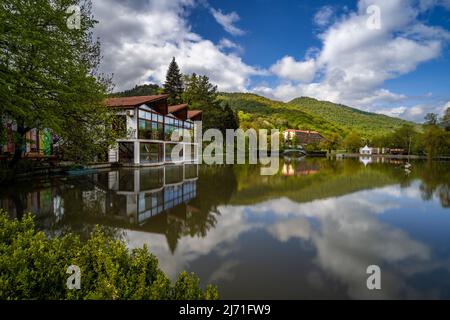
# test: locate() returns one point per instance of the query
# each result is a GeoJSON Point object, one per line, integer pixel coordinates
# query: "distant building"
{"type": "Point", "coordinates": [397, 151]}
{"type": "Point", "coordinates": [303, 137]}
{"type": "Point", "coordinates": [366, 150]}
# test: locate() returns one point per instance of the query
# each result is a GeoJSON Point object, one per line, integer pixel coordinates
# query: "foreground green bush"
{"type": "Point", "coordinates": [32, 266]}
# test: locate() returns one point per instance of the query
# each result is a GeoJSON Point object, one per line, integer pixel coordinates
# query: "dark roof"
{"type": "Point", "coordinates": [133, 101]}
{"type": "Point", "coordinates": [177, 107]}
{"type": "Point", "coordinates": [194, 113]}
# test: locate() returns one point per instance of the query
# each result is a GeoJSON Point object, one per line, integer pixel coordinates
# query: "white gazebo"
{"type": "Point", "coordinates": [365, 150]}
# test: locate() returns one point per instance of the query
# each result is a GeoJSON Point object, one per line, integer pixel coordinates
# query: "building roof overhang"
{"type": "Point", "coordinates": [132, 102]}
{"type": "Point", "coordinates": [195, 115]}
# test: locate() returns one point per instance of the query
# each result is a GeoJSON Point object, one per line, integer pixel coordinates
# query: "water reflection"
{"type": "Point", "coordinates": [308, 232]}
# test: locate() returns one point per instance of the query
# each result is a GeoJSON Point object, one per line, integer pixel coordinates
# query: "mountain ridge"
{"type": "Point", "coordinates": [323, 116]}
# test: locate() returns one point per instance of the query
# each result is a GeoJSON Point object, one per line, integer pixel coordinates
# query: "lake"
{"type": "Point", "coordinates": [308, 232]}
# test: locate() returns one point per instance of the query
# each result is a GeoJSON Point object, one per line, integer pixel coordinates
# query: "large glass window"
{"type": "Point", "coordinates": [169, 149]}
{"type": "Point", "coordinates": [189, 129]}
{"type": "Point", "coordinates": [150, 126]}
{"type": "Point", "coordinates": [168, 130]}
{"type": "Point", "coordinates": [126, 152]}
{"type": "Point", "coordinates": [150, 152]}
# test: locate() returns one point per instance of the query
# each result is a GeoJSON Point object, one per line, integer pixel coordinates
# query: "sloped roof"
{"type": "Point", "coordinates": [194, 113]}
{"type": "Point", "coordinates": [133, 101]}
{"type": "Point", "coordinates": [177, 107]}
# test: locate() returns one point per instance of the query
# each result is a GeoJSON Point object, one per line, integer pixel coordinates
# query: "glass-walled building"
{"type": "Point", "coordinates": [148, 124]}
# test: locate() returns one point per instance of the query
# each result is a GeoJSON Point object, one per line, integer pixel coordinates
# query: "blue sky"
{"type": "Point", "coordinates": [386, 56]}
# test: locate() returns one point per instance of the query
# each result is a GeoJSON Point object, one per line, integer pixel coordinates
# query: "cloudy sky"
{"type": "Point", "coordinates": [386, 56]}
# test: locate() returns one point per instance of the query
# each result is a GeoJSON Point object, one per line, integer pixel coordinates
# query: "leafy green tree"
{"type": "Point", "coordinates": [346, 117]}
{"type": "Point", "coordinates": [353, 142]}
{"type": "Point", "coordinates": [201, 94]}
{"type": "Point", "coordinates": [230, 118]}
{"type": "Point", "coordinates": [380, 141]}
{"type": "Point", "coordinates": [446, 120]}
{"type": "Point", "coordinates": [436, 141]}
{"type": "Point", "coordinates": [34, 266]}
{"type": "Point", "coordinates": [431, 118]}
{"type": "Point", "coordinates": [332, 142]}
{"type": "Point", "coordinates": [49, 75]}
{"type": "Point", "coordinates": [312, 147]}
{"type": "Point", "coordinates": [294, 141]}
{"type": "Point", "coordinates": [174, 83]}
{"type": "Point", "coordinates": [404, 137]}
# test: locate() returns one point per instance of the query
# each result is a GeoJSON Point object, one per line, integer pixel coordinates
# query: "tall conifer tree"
{"type": "Point", "coordinates": [174, 83]}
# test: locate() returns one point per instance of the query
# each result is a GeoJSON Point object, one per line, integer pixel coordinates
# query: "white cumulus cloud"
{"type": "Point", "coordinates": [227, 21]}
{"type": "Point", "coordinates": [355, 61]}
{"type": "Point", "coordinates": [294, 70]}
{"type": "Point", "coordinates": [139, 39]}
{"type": "Point", "coordinates": [324, 16]}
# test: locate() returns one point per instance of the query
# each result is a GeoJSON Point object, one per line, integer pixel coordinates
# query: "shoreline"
{"type": "Point", "coordinates": [387, 156]}
{"type": "Point", "coordinates": [65, 169]}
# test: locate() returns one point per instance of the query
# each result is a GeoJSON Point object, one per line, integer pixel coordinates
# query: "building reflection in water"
{"type": "Point", "coordinates": [146, 199]}
{"type": "Point", "coordinates": [299, 168]}
{"type": "Point", "coordinates": [140, 194]}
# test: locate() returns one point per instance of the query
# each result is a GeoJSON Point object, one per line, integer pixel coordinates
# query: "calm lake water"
{"type": "Point", "coordinates": [308, 232]}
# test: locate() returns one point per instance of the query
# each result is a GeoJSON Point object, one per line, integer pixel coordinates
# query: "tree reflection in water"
{"type": "Point", "coordinates": [183, 200]}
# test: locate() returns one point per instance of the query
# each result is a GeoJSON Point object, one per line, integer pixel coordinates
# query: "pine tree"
{"type": "Point", "coordinates": [174, 83]}
{"type": "Point", "coordinates": [230, 119]}
{"type": "Point", "coordinates": [201, 94]}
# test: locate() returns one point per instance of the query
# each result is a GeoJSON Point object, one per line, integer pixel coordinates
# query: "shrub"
{"type": "Point", "coordinates": [33, 266]}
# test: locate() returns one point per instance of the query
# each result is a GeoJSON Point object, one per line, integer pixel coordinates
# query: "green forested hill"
{"type": "Point", "coordinates": [366, 123]}
{"type": "Point", "coordinates": [142, 90]}
{"type": "Point", "coordinates": [308, 114]}
{"type": "Point", "coordinates": [259, 112]}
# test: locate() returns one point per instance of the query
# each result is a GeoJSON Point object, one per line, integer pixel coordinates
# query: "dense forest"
{"type": "Point", "coordinates": [308, 114]}
{"type": "Point", "coordinates": [366, 123]}
{"type": "Point", "coordinates": [142, 90]}
{"type": "Point", "coordinates": [342, 126]}
{"type": "Point", "coordinates": [258, 112]}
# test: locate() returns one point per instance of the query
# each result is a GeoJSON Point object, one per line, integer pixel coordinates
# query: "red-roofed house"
{"type": "Point", "coordinates": [149, 122]}
{"type": "Point", "coordinates": [303, 137]}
